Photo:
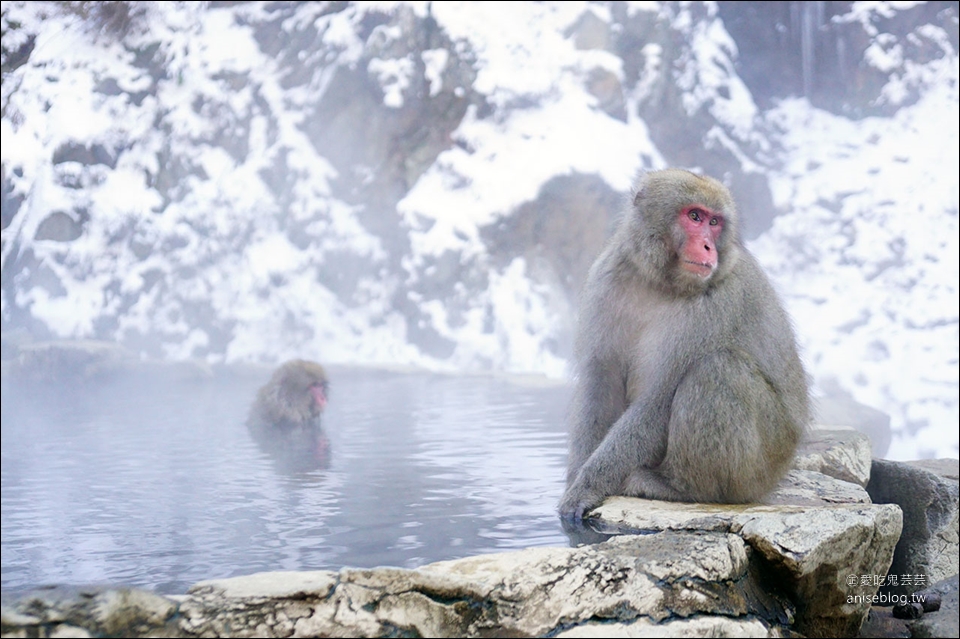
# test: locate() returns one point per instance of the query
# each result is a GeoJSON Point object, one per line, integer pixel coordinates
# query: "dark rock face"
{"type": "Point", "coordinates": [86, 155]}
{"type": "Point", "coordinates": [818, 51]}
{"type": "Point", "coordinates": [927, 551]}
{"type": "Point", "coordinates": [940, 620]}
{"type": "Point", "coordinates": [60, 227]}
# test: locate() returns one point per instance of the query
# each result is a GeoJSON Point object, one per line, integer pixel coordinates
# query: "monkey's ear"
{"type": "Point", "coordinates": [638, 196]}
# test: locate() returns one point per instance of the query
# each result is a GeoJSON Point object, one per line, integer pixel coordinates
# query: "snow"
{"type": "Point", "coordinates": [467, 189]}
{"type": "Point", "coordinates": [865, 255]}
{"type": "Point", "coordinates": [435, 61]}
{"type": "Point", "coordinates": [394, 77]}
{"type": "Point", "coordinates": [874, 295]}
{"type": "Point", "coordinates": [520, 45]}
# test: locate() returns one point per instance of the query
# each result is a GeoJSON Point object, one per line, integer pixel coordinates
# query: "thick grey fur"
{"type": "Point", "coordinates": [687, 389]}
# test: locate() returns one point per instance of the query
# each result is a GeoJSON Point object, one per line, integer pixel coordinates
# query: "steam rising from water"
{"type": "Point", "coordinates": [154, 481]}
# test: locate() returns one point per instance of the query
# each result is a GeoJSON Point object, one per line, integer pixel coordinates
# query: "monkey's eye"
{"type": "Point", "coordinates": [714, 221]}
{"type": "Point", "coordinates": [695, 214]}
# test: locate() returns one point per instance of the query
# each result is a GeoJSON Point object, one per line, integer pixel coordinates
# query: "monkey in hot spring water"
{"type": "Point", "coordinates": [285, 417]}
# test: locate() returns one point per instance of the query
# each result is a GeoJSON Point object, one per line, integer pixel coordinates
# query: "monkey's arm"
{"type": "Point", "coordinates": [600, 398]}
{"type": "Point", "coordinates": [637, 440]}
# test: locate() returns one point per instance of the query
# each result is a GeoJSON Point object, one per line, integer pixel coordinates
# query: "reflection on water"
{"type": "Point", "coordinates": [155, 482]}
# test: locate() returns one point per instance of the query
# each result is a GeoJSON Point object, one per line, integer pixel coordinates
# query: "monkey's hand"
{"type": "Point", "coordinates": [578, 501]}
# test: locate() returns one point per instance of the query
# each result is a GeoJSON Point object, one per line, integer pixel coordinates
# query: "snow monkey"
{"type": "Point", "coordinates": [285, 418]}
{"type": "Point", "coordinates": [689, 386]}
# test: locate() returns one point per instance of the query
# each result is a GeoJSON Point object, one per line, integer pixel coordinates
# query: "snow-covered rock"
{"type": "Point", "coordinates": [426, 183]}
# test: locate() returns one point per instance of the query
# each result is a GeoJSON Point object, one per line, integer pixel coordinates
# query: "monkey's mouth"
{"type": "Point", "coordinates": [700, 269]}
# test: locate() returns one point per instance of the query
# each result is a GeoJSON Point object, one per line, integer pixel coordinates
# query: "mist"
{"type": "Point", "coordinates": [426, 184]}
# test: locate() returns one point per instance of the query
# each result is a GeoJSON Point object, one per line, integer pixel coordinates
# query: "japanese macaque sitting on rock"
{"type": "Point", "coordinates": [689, 382]}
{"type": "Point", "coordinates": [285, 418]}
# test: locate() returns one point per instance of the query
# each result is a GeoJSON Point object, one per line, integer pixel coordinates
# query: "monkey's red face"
{"type": "Point", "coordinates": [701, 230]}
{"type": "Point", "coordinates": [319, 393]}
